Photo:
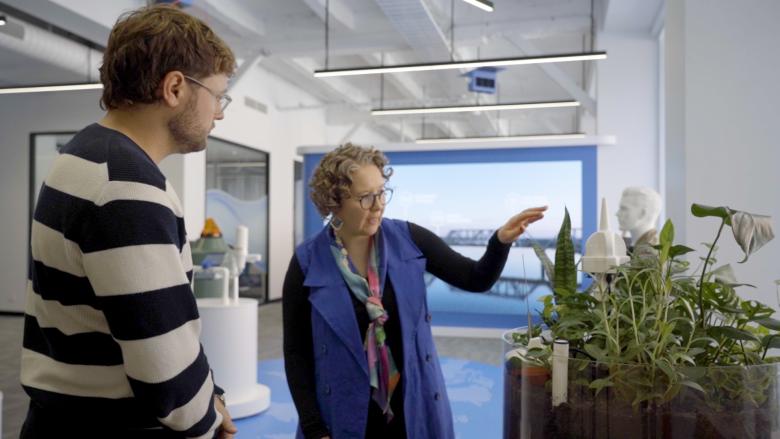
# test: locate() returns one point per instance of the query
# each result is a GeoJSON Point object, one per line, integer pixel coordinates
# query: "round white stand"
{"type": "Point", "coordinates": [229, 337]}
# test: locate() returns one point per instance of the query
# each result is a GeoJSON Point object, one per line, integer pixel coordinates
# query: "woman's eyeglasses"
{"type": "Point", "coordinates": [383, 197]}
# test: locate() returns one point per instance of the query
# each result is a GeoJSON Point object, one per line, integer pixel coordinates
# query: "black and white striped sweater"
{"type": "Point", "coordinates": [111, 326]}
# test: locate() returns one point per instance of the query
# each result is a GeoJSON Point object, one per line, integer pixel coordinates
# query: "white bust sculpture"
{"type": "Point", "coordinates": [638, 214]}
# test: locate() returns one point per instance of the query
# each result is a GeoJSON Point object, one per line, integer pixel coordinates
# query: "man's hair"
{"type": "Point", "coordinates": [148, 43]}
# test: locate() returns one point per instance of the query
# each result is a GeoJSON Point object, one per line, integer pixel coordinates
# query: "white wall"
{"type": "Point", "coordinates": [728, 99]}
{"type": "Point", "coordinates": [21, 115]}
{"type": "Point", "coordinates": [627, 92]}
{"type": "Point", "coordinates": [279, 133]}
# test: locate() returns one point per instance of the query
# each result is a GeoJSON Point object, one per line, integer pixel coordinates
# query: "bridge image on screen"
{"type": "Point", "coordinates": [464, 204]}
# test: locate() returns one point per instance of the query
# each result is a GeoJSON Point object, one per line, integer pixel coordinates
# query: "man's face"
{"type": "Point", "coordinates": [191, 126]}
{"type": "Point", "coordinates": [630, 212]}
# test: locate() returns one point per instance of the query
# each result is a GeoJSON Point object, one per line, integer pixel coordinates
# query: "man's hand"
{"type": "Point", "coordinates": [227, 429]}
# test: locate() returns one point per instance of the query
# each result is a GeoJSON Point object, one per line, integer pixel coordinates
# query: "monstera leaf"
{"type": "Point", "coordinates": [751, 231]}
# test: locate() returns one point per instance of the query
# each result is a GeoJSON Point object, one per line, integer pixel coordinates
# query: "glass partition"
{"type": "Point", "coordinates": [237, 194]}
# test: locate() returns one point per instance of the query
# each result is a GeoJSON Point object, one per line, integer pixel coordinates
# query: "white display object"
{"type": "Point", "coordinates": [604, 249]}
{"type": "Point", "coordinates": [229, 338]}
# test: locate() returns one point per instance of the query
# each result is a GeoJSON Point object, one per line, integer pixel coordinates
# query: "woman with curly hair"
{"type": "Point", "coordinates": [358, 348]}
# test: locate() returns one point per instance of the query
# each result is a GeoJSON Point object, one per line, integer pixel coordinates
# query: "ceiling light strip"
{"type": "Point", "coordinates": [498, 62]}
{"type": "Point", "coordinates": [485, 5]}
{"type": "Point", "coordinates": [49, 88]}
{"type": "Point", "coordinates": [502, 138]}
{"type": "Point", "coordinates": [468, 108]}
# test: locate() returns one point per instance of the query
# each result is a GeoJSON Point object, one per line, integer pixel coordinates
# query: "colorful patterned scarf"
{"type": "Point", "coordinates": [382, 369]}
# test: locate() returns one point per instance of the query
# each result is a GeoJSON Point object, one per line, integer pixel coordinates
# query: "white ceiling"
{"type": "Point", "coordinates": [289, 38]}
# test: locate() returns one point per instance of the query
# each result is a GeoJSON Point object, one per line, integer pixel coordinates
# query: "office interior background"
{"type": "Point", "coordinates": [681, 96]}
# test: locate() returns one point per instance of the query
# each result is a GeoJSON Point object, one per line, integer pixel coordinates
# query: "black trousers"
{"type": "Point", "coordinates": [43, 423]}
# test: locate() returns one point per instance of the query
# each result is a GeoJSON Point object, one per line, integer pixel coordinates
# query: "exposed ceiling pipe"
{"type": "Point", "coordinates": [415, 20]}
{"type": "Point", "coordinates": [54, 49]}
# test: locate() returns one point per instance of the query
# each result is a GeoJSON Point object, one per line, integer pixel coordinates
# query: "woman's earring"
{"type": "Point", "coordinates": [336, 223]}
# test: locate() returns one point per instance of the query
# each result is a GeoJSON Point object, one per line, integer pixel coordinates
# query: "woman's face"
{"type": "Point", "coordinates": [360, 221]}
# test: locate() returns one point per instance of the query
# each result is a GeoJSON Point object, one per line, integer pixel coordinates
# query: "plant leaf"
{"type": "Point", "coordinates": [600, 384]}
{"type": "Point", "coordinates": [693, 373]}
{"type": "Point", "coordinates": [565, 270]}
{"type": "Point", "coordinates": [732, 333]}
{"type": "Point", "coordinates": [701, 211]}
{"type": "Point", "coordinates": [549, 267]}
{"type": "Point", "coordinates": [769, 323]}
{"type": "Point", "coordinates": [664, 365]}
{"type": "Point", "coordinates": [771, 341]}
{"type": "Point", "coordinates": [679, 250]}
{"type": "Point", "coordinates": [751, 231]}
{"type": "Point", "coordinates": [724, 274]}
{"type": "Point", "coordinates": [693, 385]}
{"type": "Point", "coordinates": [595, 352]}
{"type": "Point", "coordinates": [665, 239]}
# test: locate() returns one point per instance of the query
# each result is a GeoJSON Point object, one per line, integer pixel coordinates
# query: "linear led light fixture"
{"type": "Point", "coordinates": [502, 138]}
{"type": "Point", "coordinates": [47, 88]}
{"type": "Point", "coordinates": [485, 5]}
{"type": "Point", "coordinates": [496, 62]}
{"type": "Point", "coordinates": [467, 108]}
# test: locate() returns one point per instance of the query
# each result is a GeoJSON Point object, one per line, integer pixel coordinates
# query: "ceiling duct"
{"type": "Point", "coordinates": [58, 51]}
{"type": "Point", "coordinates": [414, 20]}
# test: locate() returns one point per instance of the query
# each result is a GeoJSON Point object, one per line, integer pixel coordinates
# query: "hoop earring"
{"type": "Point", "coordinates": [336, 223]}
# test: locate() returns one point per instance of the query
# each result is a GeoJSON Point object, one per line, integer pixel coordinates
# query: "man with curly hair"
{"type": "Point", "coordinates": [111, 341]}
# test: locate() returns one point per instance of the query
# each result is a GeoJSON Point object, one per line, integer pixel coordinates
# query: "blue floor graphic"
{"type": "Point", "coordinates": [475, 391]}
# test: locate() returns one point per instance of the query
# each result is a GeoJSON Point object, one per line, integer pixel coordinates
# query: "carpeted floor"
{"type": "Point", "coordinates": [475, 390]}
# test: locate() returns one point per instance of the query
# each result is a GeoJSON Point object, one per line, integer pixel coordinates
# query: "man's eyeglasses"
{"type": "Point", "coordinates": [384, 196]}
{"type": "Point", "coordinates": [223, 99]}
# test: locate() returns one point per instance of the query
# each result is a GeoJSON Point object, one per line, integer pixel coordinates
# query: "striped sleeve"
{"type": "Point", "coordinates": [132, 253]}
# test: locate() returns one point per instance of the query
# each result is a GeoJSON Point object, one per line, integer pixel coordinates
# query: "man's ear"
{"type": "Point", "coordinates": [172, 89]}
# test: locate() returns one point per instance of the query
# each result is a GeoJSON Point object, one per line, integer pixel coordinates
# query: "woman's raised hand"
{"type": "Point", "coordinates": [516, 225]}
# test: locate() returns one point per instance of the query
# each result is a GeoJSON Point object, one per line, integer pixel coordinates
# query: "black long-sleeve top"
{"type": "Point", "coordinates": [441, 261]}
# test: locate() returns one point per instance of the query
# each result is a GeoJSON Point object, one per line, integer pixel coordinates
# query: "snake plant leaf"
{"type": "Point", "coordinates": [701, 211]}
{"type": "Point", "coordinates": [751, 231]}
{"type": "Point", "coordinates": [565, 270]}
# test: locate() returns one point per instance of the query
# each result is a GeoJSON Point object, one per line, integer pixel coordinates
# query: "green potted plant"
{"type": "Point", "coordinates": [661, 348]}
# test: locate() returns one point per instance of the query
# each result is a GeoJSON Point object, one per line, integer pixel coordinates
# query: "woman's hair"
{"type": "Point", "coordinates": [148, 43]}
{"type": "Point", "coordinates": [333, 176]}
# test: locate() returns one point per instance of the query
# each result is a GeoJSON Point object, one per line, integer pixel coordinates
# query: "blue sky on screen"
{"type": "Point", "coordinates": [443, 197]}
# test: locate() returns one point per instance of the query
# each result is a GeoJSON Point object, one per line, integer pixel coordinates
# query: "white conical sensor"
{"type": "Point", "coordinates": [604, 250]}
{"type": "Point", "coordinates": [604, 223]}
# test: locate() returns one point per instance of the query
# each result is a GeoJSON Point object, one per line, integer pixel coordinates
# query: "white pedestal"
{"type": "Point", "coordinates": [229, 338]}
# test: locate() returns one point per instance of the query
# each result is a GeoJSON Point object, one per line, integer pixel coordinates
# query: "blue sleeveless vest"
{"type": "Point", "coordinates": [341, 368]}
